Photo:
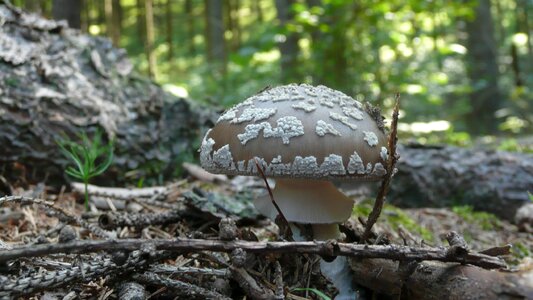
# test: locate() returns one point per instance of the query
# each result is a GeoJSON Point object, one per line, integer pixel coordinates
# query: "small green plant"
{"type": "Point", "coordinates": [91, 158]}
{"type": "Point", "coordinates": [320, 294]}
{"type": "Point", "coordinates": [530, 196]}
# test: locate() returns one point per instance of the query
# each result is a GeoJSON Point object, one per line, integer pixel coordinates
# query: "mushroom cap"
{"type": "Point", "coordinates": [298, 131]}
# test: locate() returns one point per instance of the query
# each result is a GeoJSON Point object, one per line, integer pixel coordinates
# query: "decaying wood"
{"type": "Point", "coordinates": [327, 248]}
{"type": "Point", "coordinates": [55, 81]}
{"type": "Point", "coordinates": [131, 291]}
{"type": "Point", "coordinates": [487, 180]}
{"type": "Point", "coordinates": [86, 270]}
{"type": "Point", "coordinates": [113, 220]}
{"type": "Point", "coordinates": [179, 287]}
{"type": "Point", "coordinates": [436, 280]}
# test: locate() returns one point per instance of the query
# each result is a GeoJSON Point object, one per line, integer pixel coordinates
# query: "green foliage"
{"type": "Point", "coordinates": [393, 216]}
{"type": "Point", "coordinates": [320, 294]}
{"type": "Point", "coordinates": [530, 196]}
{"type": "Point", "coordinates": [90, 157]}
{"type": "Point", "coordinates": [485, 220]}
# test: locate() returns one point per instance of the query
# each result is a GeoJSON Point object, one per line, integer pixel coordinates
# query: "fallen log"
{"type": "Point", "coordinates": [436, 280]}
{"type": "Point", "coordinates": [493, 181]}
{"type": "Point", "coordinates": [56, 82]}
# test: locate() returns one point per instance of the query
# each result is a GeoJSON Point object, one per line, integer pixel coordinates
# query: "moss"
{"type": "Point", "coordinates": [484, 220]}
{"type": "Point", "coordinates": [520, 251]}
{"type": "Point", "coordinates": [394, 217]}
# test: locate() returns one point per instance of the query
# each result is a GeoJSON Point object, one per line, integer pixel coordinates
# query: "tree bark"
{"type": "Point", "coordinates": [289, 46]}
{"type": "Point", "coordinates": [69, 10]}
{"type": "Point", "coordinates": [482, 69]}
{"type": "Point", "coordinates": [113, 20]}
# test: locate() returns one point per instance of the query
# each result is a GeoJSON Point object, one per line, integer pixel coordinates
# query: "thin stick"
{"type": "Point", "coordinates": [394, 252]}
{"type": "Point", "coordinates": [391, 163]}
{"type": "Point", "coordinates": [288, 231]}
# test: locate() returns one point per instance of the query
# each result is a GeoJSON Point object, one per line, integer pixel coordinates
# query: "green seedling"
{"type": "Point", "coordinates": [91, 158]}
{"type": "Point", "coordinates": [320, 294]}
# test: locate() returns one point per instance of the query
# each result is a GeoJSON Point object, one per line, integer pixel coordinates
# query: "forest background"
{"type": "Point", "coordinates": [464, 68]}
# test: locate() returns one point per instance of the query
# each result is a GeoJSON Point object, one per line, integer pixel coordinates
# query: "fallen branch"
{"type": "Point", "coordinates": [113, 220]}
{"type": "Point", "coordinates": [330, 248]}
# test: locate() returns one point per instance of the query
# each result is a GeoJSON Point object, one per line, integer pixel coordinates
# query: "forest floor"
{"type": "Point", "coordinates": [193, 208]}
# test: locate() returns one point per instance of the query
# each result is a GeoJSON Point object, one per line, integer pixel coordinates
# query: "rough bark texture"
{"type": "Point", "coordinates": [492, 181]}
{"type": "Point", "coordinates": [435, 280]}
{"type": "Point", "coordinates": [55, 81]}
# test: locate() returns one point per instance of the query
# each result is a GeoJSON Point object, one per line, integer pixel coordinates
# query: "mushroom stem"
{"type": "Point", "coordinates": [307, 201]}
{"type": "Point", "coordinates": [323, 232]}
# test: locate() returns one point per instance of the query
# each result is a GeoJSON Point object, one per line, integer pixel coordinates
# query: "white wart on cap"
{"type": "Point", "coordinates": [297, 131]}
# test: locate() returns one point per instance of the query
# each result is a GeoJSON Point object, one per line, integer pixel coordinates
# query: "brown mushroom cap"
{"type": "Point", "coordinates": [297, 131]}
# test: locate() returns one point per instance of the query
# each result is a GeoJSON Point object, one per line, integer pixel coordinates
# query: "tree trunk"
{"type": "Point", "coordinates": [258, 10]}
{"type": "Point", "coordinates": [69, 10]}
{"type": "Point", "coordinates": [169, 31]}
{"type": "Point", "coordinates": [482, 69]}
{"type": "Point", "coordinates": [74, 90]}
{"type": "Point", "coordinates": [289, 46]}
{"type": "Point", "coordinates": [150, 54]}
{"type": "Point", "coordinates": [33, 6]}
{"type": "Point", "coordinates": [141, 21]}
{"type": "Point", "coordinates": [190, 26]}
{"type": "Point", "coordinates": [112, 17]}
{"type": "Point", "coordinates": [216, 52]}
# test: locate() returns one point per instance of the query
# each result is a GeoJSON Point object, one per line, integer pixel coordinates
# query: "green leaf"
{"type": "Point", "coordinates": [317, 292]}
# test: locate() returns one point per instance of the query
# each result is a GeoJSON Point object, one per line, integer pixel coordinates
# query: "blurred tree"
{"type": "Point", "coordinates": [288, 42]}
{"type": "Point", "coordinates": [169, 31]}
{"type": "Point", "coordinates": [329, 44]}
{"type": "Point", "coordinates": [189, 18]}
{"type": "Point", "coordinates": [149, 46]}
{"type": "Point", "coordinates": [141, 20]}
{"type": "Point", "coordinates": [33, 6]}
{"type": "Point", "coordinates": [216, 45]}
{"type": "Point", "coordinates": [232, 18]}
{"type": "Point", "coordinates": [69, 10]}
{"type": "Point", "coordinates": [482, 69]}
{"type": "Point", "coordinates": [113, 20]}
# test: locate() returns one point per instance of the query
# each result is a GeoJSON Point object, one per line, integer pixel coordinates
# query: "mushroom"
{"type": "Point", "coordinates": [304, 137]}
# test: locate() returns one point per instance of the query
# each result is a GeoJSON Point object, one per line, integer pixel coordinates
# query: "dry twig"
{"type": "Point", "coordinates": [287, 232]}
{"type": "Point", "coordinates": [391, 163]}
